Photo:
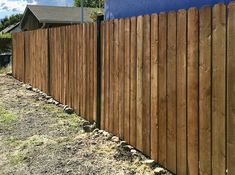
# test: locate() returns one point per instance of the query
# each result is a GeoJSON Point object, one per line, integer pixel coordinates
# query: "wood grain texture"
{"type": "Point", "coordinates": [146, 85]}
{"type": "Point", "coordinates": [182, 92]}
{"type": "Point", "coordinates": [127, 82]}
{"type": "Point", "coordinates": [121, 77]}
{"type": "Point", "coordinates": [205, 90]}
{"type": "Point", "coordinates": [133, 81]}
{"type": "Point", "coordinates": [102, 124]}
{"type": "Point", "coordinates": [192, 92]}
{"type": "Point", "coordinates": [171, 92]}
{"type": "Point", "coordinates": [230, 90]}
{"type": "Point", "coordinates": [218, 89]}
{"type": "Point", "coordinates": [154, 87]}
{"type": "Point", "coordinates": [139, 97]}
{"type": "Point", "coordinates": [107, 79]}
{"type": "Point", "coordinates": [162, 89]}
{"type": "Point", "coordinates": [111, 78]}
{"type": "Point", "coordinates": [116, 78]}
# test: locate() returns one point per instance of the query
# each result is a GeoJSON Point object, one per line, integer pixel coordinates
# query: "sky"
{"type": "Point", "coordinates": [9, 7]}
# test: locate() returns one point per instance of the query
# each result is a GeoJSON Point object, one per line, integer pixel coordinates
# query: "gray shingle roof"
{"type": "Point", "coordinates": [56, 14]}
{"type": "Point", "coordinates": [10, 28]}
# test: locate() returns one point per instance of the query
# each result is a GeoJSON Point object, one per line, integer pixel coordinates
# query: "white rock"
{"type": "Point", "coordinates": [133, 151]}
{"type": "Point", "coordinates": [149, 162]}
{"type": "Point", "coordinates": [115, 139]}
{"type": "Point", "coordinates": [159, 170]}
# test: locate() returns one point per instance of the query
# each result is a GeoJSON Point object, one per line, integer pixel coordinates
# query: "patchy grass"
{"type": "Point", "coordinates": [36, 140]}
{"type": "Point", "coordinates": [68, 122]}
{"type": "Point", "coordinates": [12, 141]}
{"type": "Point", "coordinates": [17, 157]}
{"type": "Point", "coordinates": [52, 109]}
{"type": "Point", "coordinates": [6, 117]}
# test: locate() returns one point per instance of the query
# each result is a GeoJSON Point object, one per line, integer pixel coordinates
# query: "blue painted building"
{"type": "Point", "coordinates": [126, 8]}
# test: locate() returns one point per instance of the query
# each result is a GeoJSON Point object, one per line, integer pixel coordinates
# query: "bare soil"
{"type": "Point", "coordinates": [39, 138]}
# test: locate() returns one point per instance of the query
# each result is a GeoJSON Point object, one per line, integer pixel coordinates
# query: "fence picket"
{"type": "Point", "coordinates": [162, 88]}
{"type": "Point", "coordinates": [181, 92]}
{"type": "Point", "coordinates": [230, 88]}
{"type": "Point", "coordinates": [171, 92]}
{"type": "Point", "coordinates": [205, 90]}
{"type": "Point", "coordinates": [192, 92]}
{"type": "Point", "coordinates": [218, 89]}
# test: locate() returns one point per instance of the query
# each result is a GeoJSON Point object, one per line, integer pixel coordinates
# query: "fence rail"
{"type": "Point", "coordinates": [167, 82]}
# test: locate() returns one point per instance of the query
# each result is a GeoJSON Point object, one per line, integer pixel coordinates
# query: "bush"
{"type": "Point", "coordinates": [5, 43]}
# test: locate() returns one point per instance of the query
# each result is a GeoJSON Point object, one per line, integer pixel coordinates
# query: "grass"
{"type": "Point", "coordinates": [6, 117]}
{"type": "Point", "coordinates": [68, 121]}
{"type": "Point", "coordinates": [17, 158]}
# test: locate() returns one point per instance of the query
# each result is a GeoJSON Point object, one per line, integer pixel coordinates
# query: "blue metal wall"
{"type": "Point", "coordinates": [127, 8]}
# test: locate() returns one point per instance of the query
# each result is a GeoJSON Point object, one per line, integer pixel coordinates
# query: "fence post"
{"type": "Point", "coordinates": [98, 74]}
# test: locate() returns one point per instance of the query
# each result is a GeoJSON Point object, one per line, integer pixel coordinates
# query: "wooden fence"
{"type": "Point", "coordinates": [168, 87]}
{"type": "Point", "coordinates": [167, 82]}
{"type": "Point", "coordinates": [61, 62]}
{"type": "Point", "coordinates": [73, 67]}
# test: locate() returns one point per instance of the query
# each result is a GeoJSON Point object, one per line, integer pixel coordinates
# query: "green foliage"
{"type": "Point", "coordinates": [7, 21]}
{"type": "Point", "coordinates": [90, 3]}
{"type": "Point", "coordinates": [95, 13]}
{"type": "Point", "coordinates": [5, 35]}
{"type": "Point", "coordinates": [5, 43]}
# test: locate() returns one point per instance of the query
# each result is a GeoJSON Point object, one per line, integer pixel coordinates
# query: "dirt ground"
{"type": "Point", "coordinates": [40, 138]}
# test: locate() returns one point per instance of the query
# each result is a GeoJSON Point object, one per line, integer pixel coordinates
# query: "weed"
{"type": "Point", "coordinates": [17, 158]}
{"type": "Point", "coordinates": [6, 117]}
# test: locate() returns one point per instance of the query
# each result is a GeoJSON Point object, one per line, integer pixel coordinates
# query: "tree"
{"type": "Point", "coordinates": [7, 21]}
{"type": "Point", "coordinates": [90, 3]}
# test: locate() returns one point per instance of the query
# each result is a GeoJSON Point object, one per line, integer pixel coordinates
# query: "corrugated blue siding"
{"type": "Point", "coordinates": [127, 8]}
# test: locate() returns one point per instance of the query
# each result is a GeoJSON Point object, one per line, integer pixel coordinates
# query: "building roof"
{"type": "Point", "coordinates": [57, 14]}
{"type": "Point", "coordinates": [10, 28]}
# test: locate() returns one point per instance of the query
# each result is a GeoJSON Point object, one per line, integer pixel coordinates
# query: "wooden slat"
{"type": "Point", "coordinates": [162, 87]}
{"type": "Point", "coordinates": [127, 82]}
{"type": "Point", "coordinates": [103, 29]}
{"type": "Point", "coordinates": [116, 75]}
{"type": "Point", "coordinates": [71, 65]}
{"type": "Point", "coordinates": [88, 73]}
{"type": "Point", "coordinates": [139, 97]}
{"type": "Point", "coordinates": [80, 71]}
{"type": "Point", "coordinates": [92, 72]}
{"type": "Point", "coordinates": [56, 66]}
{"type": "Point", "coordinates": [111, 74]}
{"type": "Point", "coordinates": [181, 92]}
{"type": "Point", "coordinates": [84, 63]}
{"type": "Point", "coordinates": [67, 63]}
{"type": "Point", "coordinates": [192, 92]}
{"type": "Point", "coordinates": [230, 90]}
{"type": "Point", "coordinates": [95, 71]}
{"type": "Point", "coordinates": [205, 91]}
{"type": "Point", "coordinates": [171, 92]}
{"type": "Point", "coordinates": [121, 77]}
{"type": "Point", "coordinates": [61, 48]}
{"type": "Point", "coordinates": [146, 85]}
{"type": "Point", "coordinates": [107, 80]}
{"type": "Point", "coordinates": [133, 65]}
{"type": "Point", "coordinates": [51, 59]}
{"type": "Point", "coordinates": [218, 89]}
{"type": "Point", "coordinates": [154, 87]}
{"type": "Point", "coordinates": [75, 79]}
